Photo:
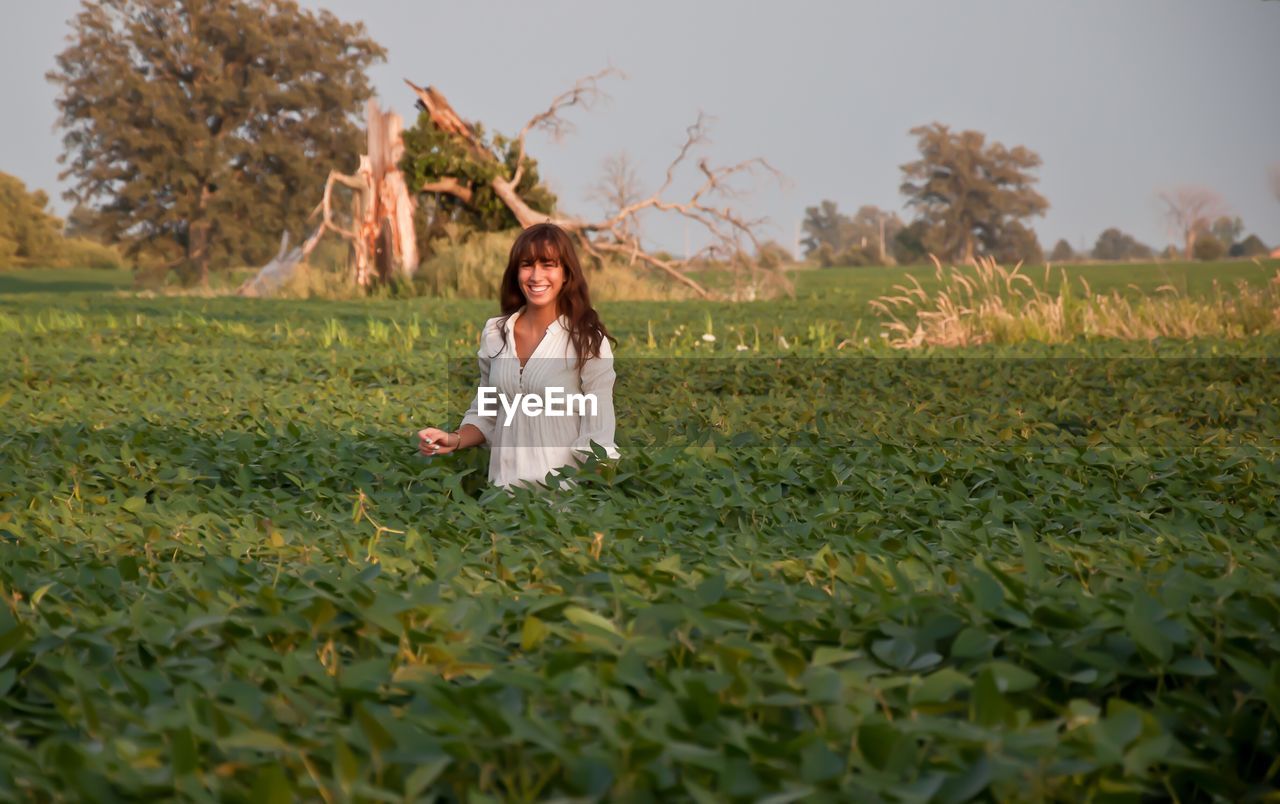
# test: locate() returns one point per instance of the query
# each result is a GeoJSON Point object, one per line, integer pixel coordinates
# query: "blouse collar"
{"type": "Point", "coordinates": [562, 322]}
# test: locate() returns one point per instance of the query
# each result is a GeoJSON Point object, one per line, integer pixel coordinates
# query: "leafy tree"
{"type": "Point", "coordinates": [1227, 229]}
{"type": "Point", "coordinates": [913, 243]}
{"type": "Point", "coordinates": [837, 239]}
{"type": "Point", "coordinates": [206, 127]}
{"type": "Point", "coordinates": [1062, 252]}
{"type": "Point", "coordinates": [86, 222]}
{"type": "Point", "coordinates": [971, 192]}
{"type": "Point", "coordinates": [1251, 246]}
{"type": "Point", "coordinates": [1015, 243]}
{"type": "Point", "coordinates": [1208, 247]}
{"type": "Point", "coordinates": [1114, 244]}
{"type": "Point", "coordinates": [28, 231]}
{"type": "Point", "coordinates": [823, 225]}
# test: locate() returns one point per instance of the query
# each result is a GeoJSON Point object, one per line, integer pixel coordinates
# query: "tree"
{"type": "Point", "coordinates": [837, 239]}
{"type": "Point", "coordinates": [1015, 243]}
{"type": "Point", "coordinates": [1227, 229]}
{"type": "Point", "coordinates": [618, 189]}
{"type": "Point", "coordinates": [28, 231]}
{"type": "Point", "coordinates": [1251, 246]}
{"type": "Point", "coordinates": [1275, 180]}
{"type": "Point", "coordinates": [1114, 245]}
{"type": "Point", "coordinates": [970, 192]}
{"type": "Point", "coordinates": [1209, 247]}
{"type": "Point", "coordinates": [207, 127]}
{"type": "Point", "coordinates": [492, 180]}
{"type": "Point", "coordinates": [1062, 252]}
{"type": "Point", "coordinates": [86, 222]}
{"type": "Point", "coordinates": [824, 225]}
{"type": "Point", "coordinates": [914, 243]}
{"type": "Point", "coordinates": [1188, 210]}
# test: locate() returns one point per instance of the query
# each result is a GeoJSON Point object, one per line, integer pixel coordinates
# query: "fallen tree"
{"type": "Point", "coordinates": [732, 236]}
{"type": "Point", "coordinates": [493, 183]}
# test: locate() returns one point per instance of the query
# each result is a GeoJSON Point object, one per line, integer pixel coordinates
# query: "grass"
{"type": "Point", "coordinates": [63, 280]}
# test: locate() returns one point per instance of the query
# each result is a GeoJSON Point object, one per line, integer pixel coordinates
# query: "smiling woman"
{"type": "Point", "coordinates": [548, 346]}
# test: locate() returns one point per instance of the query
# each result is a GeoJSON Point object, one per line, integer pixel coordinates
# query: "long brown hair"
{"type": "Point", "coordinates": [546, 241]}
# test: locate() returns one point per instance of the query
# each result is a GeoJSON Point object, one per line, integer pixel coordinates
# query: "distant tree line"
{"type": "Point", "coordinates": [974, 198]}
{"type": "Point", "coordinates": [32, 236]}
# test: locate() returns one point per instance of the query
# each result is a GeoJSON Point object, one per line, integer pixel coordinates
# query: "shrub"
{"type": "Point", "coordinates": [467, 267]}
{"type": "Point", "coordinates": [79, 252]}
{"type": "Point", "coordinates": [1251, 246]}
{"type": "Point", "coordinates": [772, 255]}
{"type": "Point", "coordinates": [1208, 248]}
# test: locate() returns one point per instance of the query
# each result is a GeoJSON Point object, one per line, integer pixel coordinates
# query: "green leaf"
{"type": "Point", "coordinates": [182, 751]}
{"type": "Point", "coordinates": [940, 686]}
{"type": "Point", "coordinates": [589, 619]}
{"type": "Point", "coordinates": [532, 633]}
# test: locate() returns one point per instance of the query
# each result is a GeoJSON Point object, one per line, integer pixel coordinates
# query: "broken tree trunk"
{"type": "Point", "coordinates": [381, 233]}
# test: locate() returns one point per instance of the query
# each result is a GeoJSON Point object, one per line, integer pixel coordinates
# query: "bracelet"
{"type": "Point", "coordinates": [459, 442]}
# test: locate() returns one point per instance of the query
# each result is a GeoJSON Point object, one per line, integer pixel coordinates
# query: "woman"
{"type": "Point", "coordinates": [548, 339]}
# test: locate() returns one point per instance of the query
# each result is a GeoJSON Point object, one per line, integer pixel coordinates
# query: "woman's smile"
{"type": "Point", "coordinates": [541, 281]}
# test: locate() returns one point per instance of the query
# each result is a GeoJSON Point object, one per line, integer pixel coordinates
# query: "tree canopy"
{"type": "Point", "coordinates": [1062, 252]}
{"type": "Point", "coordinates": [28, 231]}
{"type": "Point", "coordinates": [1114, 244]}
{"type": "Point", "coordinates": [834, 238]}
{"type": "Point", "coordinates": [432, 154]}
{"type": "Point", "coordinates": [201, 129]}
{"type": "Point", "coordinates": [973, 196]}
{"type": "Point", "coordinates": [1251, 246]}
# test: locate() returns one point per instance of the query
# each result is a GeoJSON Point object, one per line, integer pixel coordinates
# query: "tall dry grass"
{"type": "Point", "coordinates": [989, 304]}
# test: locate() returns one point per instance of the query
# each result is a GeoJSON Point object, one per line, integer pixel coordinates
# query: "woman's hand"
{"type": "Point", "coordinates": [433, 441]}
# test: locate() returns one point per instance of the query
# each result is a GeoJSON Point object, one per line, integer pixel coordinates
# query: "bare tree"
{"type": "Point", "coordinates": [1275, 180]}
{"type": "Point", "coordinates": [618, 189]}
{"type": "Point", "coordinates": [1189, 209]}
{"type": "Point", "coordinates": [732, 235]}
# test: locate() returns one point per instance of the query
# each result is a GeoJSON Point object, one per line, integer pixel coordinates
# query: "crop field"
{"type": "Point", "coordinates": [823, 570]}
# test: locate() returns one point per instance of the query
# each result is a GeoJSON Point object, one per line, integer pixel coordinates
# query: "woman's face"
{"type": "Point", "coordinates": [541, 280]}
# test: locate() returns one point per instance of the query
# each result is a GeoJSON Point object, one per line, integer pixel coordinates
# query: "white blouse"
{"type": "Point", "coordinates": [525, 443]}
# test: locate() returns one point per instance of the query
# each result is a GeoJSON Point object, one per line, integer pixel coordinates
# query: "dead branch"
{"type": "Point", "coordinates": [584, 93]}
{"type": "Point", "coordinates": [708, 206]}
{"type": "Point", "coordinates": [1189, 210]}
{"type": "Point", "coordinates": [450, 186]}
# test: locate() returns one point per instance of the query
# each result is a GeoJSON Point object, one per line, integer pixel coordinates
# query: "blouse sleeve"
{"type": "Point", "coordinates": [485, 424]}
{"type": "Point", "coordinates": [597, 378]}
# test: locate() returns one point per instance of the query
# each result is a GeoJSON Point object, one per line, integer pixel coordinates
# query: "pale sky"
{"type": "Point", "coordinates": [1121, 98]}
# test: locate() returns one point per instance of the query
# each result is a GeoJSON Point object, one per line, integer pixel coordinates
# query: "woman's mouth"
{"type": "Point", "coordinates": [538, 290]}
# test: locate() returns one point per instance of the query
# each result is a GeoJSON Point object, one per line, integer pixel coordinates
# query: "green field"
{"type": "Point", "coordinates": [818, 573]}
